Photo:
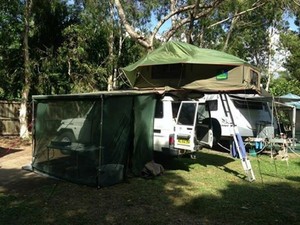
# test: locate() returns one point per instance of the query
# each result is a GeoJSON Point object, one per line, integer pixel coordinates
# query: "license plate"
{"type": "Point", "coordinates": [183, 141]}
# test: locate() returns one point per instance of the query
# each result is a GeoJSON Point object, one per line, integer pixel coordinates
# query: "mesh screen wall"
{"type": "Point", "coordinates": [93, 139]}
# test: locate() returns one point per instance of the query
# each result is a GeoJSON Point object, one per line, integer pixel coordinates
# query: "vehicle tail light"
{"type": "Point", "coordinates": [171, 140]}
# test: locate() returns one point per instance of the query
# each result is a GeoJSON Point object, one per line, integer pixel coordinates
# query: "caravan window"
{"type": "Point", "coordinates": [248, 104]}
{"type": "Point", "coordinates": [253, 78]}
{"type": "Point", "coordinates": [212, 105]}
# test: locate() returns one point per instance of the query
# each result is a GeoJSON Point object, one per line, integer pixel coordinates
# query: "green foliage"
{"type": "Point", "coordinates": [50, 18]}
{"type": "Point", "coordinates": [250, 36]}
{"type": "Point", "coordinates": [131, 52]}
{"type": "Point", "coordinates": [77, 58]}
{"type": "Point", "coordinates": [291, 40]}
{"type": "Point", "coordinates": [82, 54]}
{"type": "Point", "coordinates": [284, 85]}
{"type": "Point", "coordinates": [11, 57]}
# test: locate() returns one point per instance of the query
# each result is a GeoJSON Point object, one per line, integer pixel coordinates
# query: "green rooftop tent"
{"type": "Point", "coordinates": [93, 138]}
{"type": "Point", "coordinates": [181, 65]}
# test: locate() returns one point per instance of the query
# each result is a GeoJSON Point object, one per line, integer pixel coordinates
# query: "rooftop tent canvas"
{"type": "Point", "coordinates": [181, 65]}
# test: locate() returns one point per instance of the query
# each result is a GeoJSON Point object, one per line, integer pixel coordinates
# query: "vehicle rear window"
{"type": "Point", "coordinates": [159, 109]}
{"type": "Point", "coordinates": [187, 114]}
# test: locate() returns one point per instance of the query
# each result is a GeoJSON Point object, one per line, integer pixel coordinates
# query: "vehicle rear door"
{"type": "Point", "coordinates": [185, 125]}
{"type": "Point", "coordinates": [204, 127]}
{"type": "Point", "coordinates": [192, 127]}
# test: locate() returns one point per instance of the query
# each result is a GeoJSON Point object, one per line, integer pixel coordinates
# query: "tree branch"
{"type": "Point", "coordinates": [237, 15]}
{"type": "Point", "coordinates": [191, 25]}
{"type": "Point", "coordinates": [130, 30]}
{"type": "Point", "coordinates": [167, 17]}
{"type": "Point", "coordinates": [229, 32]}
{"type": "Point", "coordinates": [297, 2]}
{"type": "Point", "coordinates": [207, 10]}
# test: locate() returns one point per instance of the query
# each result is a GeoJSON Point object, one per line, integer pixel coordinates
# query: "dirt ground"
{"type": "Point", "coordinates": [16, 153]}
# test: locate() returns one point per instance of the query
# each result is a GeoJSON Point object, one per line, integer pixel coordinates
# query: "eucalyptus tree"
{"type": "Point", "coordinates": [181, 14]}
{"type": "Point", "coordinates": [27, 73]}
{"type": "Point", "coordinates": [195, 19]}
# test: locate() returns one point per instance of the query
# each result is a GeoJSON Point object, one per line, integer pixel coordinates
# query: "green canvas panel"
{"type": "Point", "coordinates": [177, 64]}
{"type": "Point", "coordinates": [116, 138]}
{"type": "Point", "coordinates": [144, 107]}
{"type": "Point", "coordinates": [234, 82]}
{"type": "Point", "coordinates": [39, 133]}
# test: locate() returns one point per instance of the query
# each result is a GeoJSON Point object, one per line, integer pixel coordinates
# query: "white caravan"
{"type": "Point", "coordinates": [252, 116]}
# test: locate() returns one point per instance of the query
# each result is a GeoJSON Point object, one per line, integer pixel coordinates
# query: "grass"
{"type": "Point", "coordinates": [209, 190]}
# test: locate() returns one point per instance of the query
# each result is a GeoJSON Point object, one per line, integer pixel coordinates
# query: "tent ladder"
{"type": "Point", "coordinates": [237, 139]}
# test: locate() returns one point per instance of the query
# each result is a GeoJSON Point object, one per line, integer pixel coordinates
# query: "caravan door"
{"type": "Point", "coordinates": [192, 127]}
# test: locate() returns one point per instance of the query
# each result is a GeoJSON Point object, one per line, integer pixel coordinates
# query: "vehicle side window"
{"type": "Point", "coordinates": [159, 110]}
{"type": "Point", "coordinates": [175, 108]}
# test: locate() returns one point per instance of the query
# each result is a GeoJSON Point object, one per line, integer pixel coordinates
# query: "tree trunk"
{"type": "Point", "coordinates": [143, 41]}
{"type": "Point", "coordinates": [173, 9]}
{"type": "Point", "coordinates": [24, 133]}
{"type": "Point", "coordinates": [191, 25]}
{"type": "Point", "coordinates": [111, 53]}
{"type": "Point", "coordinates": [121, 40]}
{"type": "Point", "coordinates": [110, 62]}
{"type": "Point", "coordinates": [269, 59]}
{"type": "Point", "coordinates": [229, 32]}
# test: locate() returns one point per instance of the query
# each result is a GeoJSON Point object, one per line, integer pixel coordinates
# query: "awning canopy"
{"type": "Point", "coordinates": [290, 99]}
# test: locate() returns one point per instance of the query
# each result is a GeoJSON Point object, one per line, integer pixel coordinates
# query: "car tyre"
{"type": "Point", "coordinates": [66, 136]}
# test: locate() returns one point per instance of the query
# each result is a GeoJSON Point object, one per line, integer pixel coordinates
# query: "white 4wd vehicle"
{"type": "Point", "coordinates": [181, 127]}
{"type": "Point", "coordinates": [78, 129]}
{"type": "Point", "coordinates": [70, 129]}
